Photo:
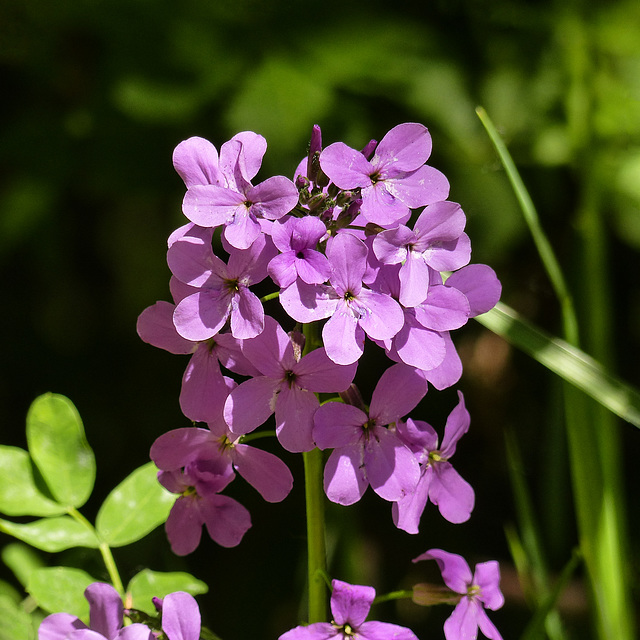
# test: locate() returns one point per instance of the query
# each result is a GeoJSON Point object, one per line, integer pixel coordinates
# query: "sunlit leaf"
{"type": "Point", "coordinates": [148, 584]}
{"type": "Point", "coordinates": [58, 446]}
{"type": "Point", "coordinates": [52, 534]}
{"type": "Point", "coordinates": [19, 495]}
{"type": "Point", "coordinates": [61, 589]}
{"type": "Point", "coordinates": [22, 560]}
{"type": "Point", "coordinates": [134, 508]}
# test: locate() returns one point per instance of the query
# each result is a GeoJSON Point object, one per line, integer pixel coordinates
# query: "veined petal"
{"type": "Point", "coordinates": [177, 448]}
{"type": "Point", "coordinates": [265, 472]}
{"type": "Point", "coordinates": [342, 336]}
{"type": "Point", "coordinates": [486, 626]}
{"type": "Point", "coordinates": [318, 373]}
{"type": "Point", "coordinates": [226, 519]}
{"type": "Point", "coordinates": [479, 284]}
{"type": "Point", "coordinates": [381, 316]}
{"type": "Point", "coordinates": [407, 511]}
{"type": "Point", "coordinates": [135, 631]}
{"type": "Point", "coordinates": [405, 147]}
{"type": "Point", "coordinates": [463, 622]}
{"type": "Point", "coordinates": [414, 280]}
{"type": "Point", "coordinates": [390, 246]}
{"type": "Point", "coordinates": [313, 267]}
{"type": "Point", "coordinates": [273, 198]}
{"type": "Point", "coordinates": [105, 609]}
{"type": "Point", "coordinates": [351, 603]}
{"type": "Point", "coordinates": [398, 392]}
{"type": "Point", "coordinates": [487, 577]}
{"type": "Point", "coordinates": [58, 626]}
{"type": "Point", "coordinates": [250, 404]}
{"type": "Point", "coordinates": [448, 372]}
{"type": "Point", "coordinates": [344, 477]}
{"type": "Point", "coordinates": [242, 232]}
{"type": "Point", "coordinates": [457, 425]}
{"type": "Point", "coordinates": [180, 616]}
{"type": "Point", "coordinates": [247, 315]}
{"type": "Point", "coordinates": [253, 149]}
{"type": "Point", "coordinates": [155, 326]}
{"type": "Point", "coordinates": [454, 569]}
{"type": "Point", "coordinates": [337, 425]}
{"type": "Point", "coordinates": [445, 309]}
{"type": "Point", "coordinates": [348, 259]}
{"type": "Point", "coordinates": [295, 408]}
{"type": "Point", "coordinates": [192, 261]}
{"type": "Point", "coordinates": [346, 167]}
{"type": "Point", "coordinates": [419, 347]}
{"type": "Point", "coordinates": [211, 205]}
{"type": "Point", "coordinates": [308, 303]}
{"type": "Point", "coordinates": [418, 188]}
{"type": "Point", "coordinates": [201, 315]}
{"type": "Point", "coordinates": [184, 526]}
{"type": "Point", "coordinates": [268, 349]}
{"type": "Point", "coordinates": [452, 493]}
{"type": "Point", "coordinates": [381, 205]}
{"type": "Point", "coordinates": [196, 161]}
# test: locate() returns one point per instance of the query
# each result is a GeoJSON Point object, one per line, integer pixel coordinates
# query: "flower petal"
{"type": "Point", "coordinates": [264, 471]}
{"type": "Point", "coordinates": [454, 569]}
{"type": "Point", "coordinates": [350, 603]}
{"type": "Point", "coordinates": [344, 478]}
{"type": "Point", "coordinates": [180, 616]}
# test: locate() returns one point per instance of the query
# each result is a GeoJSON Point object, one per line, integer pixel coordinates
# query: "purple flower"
{"type": "Point", "coordinates": [181, 616]}
{"type": "Point", "coordinates": [352, 309]}
{"type": "Point", "coordinates": [199, 502]}
{"type": "Point", "coordinates": [395, 180]}
{"type": "Point", "coordinates": [437, 242]}
{"type": "Point", "coordinates": [223, 289]}
{"type": "Point", "coordinates": [288, 385]}
{"type": "Point", "coordinates": [105, 620]}
{"type": "Point", "coordinates": [439, 481]}
{"type": "Point", "coordinates": [479, 591]}
{"type": "Point", "coordinates": [297, 238]}
{"type": "Point", "coordinates": [237, 204]}
{"type": "Point", "coordinates": [350, 605]}
{"type": "Point", "coordinates": [364, 450]}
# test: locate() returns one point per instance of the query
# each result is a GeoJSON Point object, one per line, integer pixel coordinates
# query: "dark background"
{"type": "Point", "coordinates": [95, 96]}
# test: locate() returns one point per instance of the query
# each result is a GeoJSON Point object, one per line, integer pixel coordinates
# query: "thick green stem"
{"type": "Point", "coordinates": [316, 551]}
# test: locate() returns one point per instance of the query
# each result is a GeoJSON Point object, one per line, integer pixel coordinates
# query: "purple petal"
{"type": "Point", "coordinates": [405, 148]}
{"type": "Point", "coordinates": [155, 326]}
{"type": "Point", "coordinates": [418, 436]}
{"type": "Point", "coordinates": [449, 371]}
{"type": "Point", "coordinates": [192, 261]}
{"type": "Point", "coordinates": [374, 630]}
{"type": "Point", "coordinates": [348, 258]}
{"type": "Point", "coordinates": [196, 161]}
{"type": "Point", "coordinates": [211, 205]}
{"type": "Point", "coordinates": [449, 255]}
{"type": "Point", "coordinates": [453, 495]}
{"type": "Point", "coordinates": [306, 233]}
{"type": "Point", "coordinates": [486, 626]}
{"type": "Point", "coordinates": [58, 626]}
{"type": "Point", "coordinates": [253, 149]}
{"type": "Point", "coordinates": [444, 309]}
{"type": "Point", "coordinates": [273, 198]}
{"type": "Point", "coordinates": [381, 205]}
{"type": "Point", "coordinates": [243, 231]}
{"type": "Point", "coordinates": [419, 347]}
{"type": "Point", "coordinates": [414, 280]}
{"type": "Point", "coordinates": [346, 167]}
{"type": "Point", "coordinates": [250, 265]}
{"type": "Point", "coordinates": [264, 471]}
{"type": "Point", "coordinates": [479, 284]}
{"type": "Point", "coordinates": [382, 316]}
{"type": "Point", "coordinates": [250, 404]}
{"type": "Point", "coordinates": [88, 634]}
{"type": "Point", "coordinates": [268, 350]}
{"type": "Point", "coordinates": [441, 222]}
{"type": "Point", "coordinates": [457, 425]}
{"type": "Point", "coordinates": [282, 269]}
{"type": "Point", "coordinates": [204, 389]}
{"type": "Point", "coordinates": [295, 408]}
{"type": "Point", "coordinates": [308, 303]}
{"type": "Point", "coordinates": [180, 616]}
{"type": "Point", "coordinates": [318, 373]}
{"type": "Point", "coordinates": [338, 425]}
{"type": "Point", "coordinates": [315, 631]}
{"type": "Point", "coordinates": [350, 603]}
{"type": "Point", "coordinates": [487, 577]}
{"type": "Point", "coordinates": [342, 336]}
{"type": "Point", "coordinates": [229, 353]}
{"type": "Point", "coordinates": [392, 469]}
{"type": "Point", "coordinates": [247, 315]}
{"type": "Point", "coordinates": [201, 315]}
{"type": "Point", "coordinates": [184, 526]}
{"type": "Point", "coordinates": [226, 519]}
{"type": "Point", "coordinates": [105, 609]}
{"type": "Point", "coordinates": [313, 267]}
{"type": "Point", "coordinates": [463, 622]}
{"type": "Point", "coordinates": [398, 392]}
{"type": "Point", "coordinates": [408, 510]}
{"type": "Point", "coordinates": [391, 246]}
{"type": "Point", "coordinates": [177, 448]}
{"type": "Point", "coordinates": [135, 632]}
{"type": "Point", "coordinates": [344, 478]}
{"type": "Point", "coordinates": [454, 569]}
{"type": "Point", "coordinates": [418, 188]}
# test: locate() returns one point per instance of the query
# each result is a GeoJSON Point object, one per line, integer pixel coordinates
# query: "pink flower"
{"type": "Point", "coordinates": [479, 591]}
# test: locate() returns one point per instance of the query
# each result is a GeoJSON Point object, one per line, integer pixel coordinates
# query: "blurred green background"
{"type": "Point", "coordinates": [95, 96]}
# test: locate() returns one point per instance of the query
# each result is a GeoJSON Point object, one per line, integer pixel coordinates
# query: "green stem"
{"type": "Point", "coordinates": [316, 551]}
{"type": "Point", "coordinates": [105, 551]}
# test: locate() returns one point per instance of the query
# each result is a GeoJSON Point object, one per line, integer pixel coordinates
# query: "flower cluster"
{"type": "Point", "coordinates": [365, 246]}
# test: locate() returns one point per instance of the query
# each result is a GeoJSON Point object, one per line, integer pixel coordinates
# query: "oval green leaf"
{"type": "Point", "coordinates": [60, 450]}
{"type": "Point", "coordinates": [22, 560]}
{"type": "Point", "coordinates": [52, 534]}
{"type": "Point", "coordinates": [148, 584]}
{"type": "Point", "coordinates": [19, 494]}
{"type": "Point", "coordinates": [16, 623]}
{"type": "Point", "coordinates": [134, 508]}
{"type": "Point", "coordinates": [61, 589]}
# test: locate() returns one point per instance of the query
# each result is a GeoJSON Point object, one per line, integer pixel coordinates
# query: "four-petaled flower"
{"type": "Point", "coordinates": [479, 590]}
{"type": "Point", "coordinates": [350, 605]}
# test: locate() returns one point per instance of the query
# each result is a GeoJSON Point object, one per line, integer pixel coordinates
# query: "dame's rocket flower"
{"type": "Point", "coordinates": [181, 618]}
{"type": "Point", "coordinates": [479, 591]}
{"type": "Point", "coordinates": [350, 605]}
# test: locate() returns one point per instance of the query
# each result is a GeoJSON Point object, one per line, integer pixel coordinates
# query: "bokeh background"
{"type": "Point", "coordinates": [96, 94]}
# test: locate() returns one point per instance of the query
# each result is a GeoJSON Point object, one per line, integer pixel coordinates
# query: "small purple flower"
{"type": "Point", "coordinates": [395, 180]}
{"type": "Point", "coordinates": [296, 239]}
{"type": "Point", "coordinates": [105, 620]}
{"type": "Point", "coordinates": [350, 605]}
{"type": "Point", "coordinates": [199, 502]}
{"type": "Point", "coordinates": [365, 452]}
{"type": "Point", "coordinates": [352, 309]}
{"type": "Point", "coordinates": [287, 386]}
{"type": "Point", "coordinates": [439, 481]}
{"type": "Point", "coordinates": [479, 591]}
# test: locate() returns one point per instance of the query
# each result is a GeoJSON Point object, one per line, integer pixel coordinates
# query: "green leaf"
{"type": "Point", "coordinates": [567, 361]}
{"type": "Point", "coordinates": [52, 534]}
{"type": "Point", "coordinates": [16, 623]}
{"type": "Point", "coordinates": [58, 446]}
{"type": "Point", "coordinates": [19, 494]}
{"type": "Point", "coordinates": [22, 560]}
{"type": "Point", "coordinates": [148, 584]}
{"type": "Point", "coordinates": [61, 589]}
{"type": "Point", "coordinates": [134, 508]}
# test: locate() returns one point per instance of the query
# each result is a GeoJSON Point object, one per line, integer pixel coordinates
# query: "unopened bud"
{"type": "Point", "coordinates": [353, 397]}
{"type": "Point", "coordinates": [367, 152]}
{"type": "Point", "coordinates": [427, 595]}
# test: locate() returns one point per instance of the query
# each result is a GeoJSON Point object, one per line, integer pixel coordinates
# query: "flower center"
{"type": "Point", "coordinates": [232, 285]}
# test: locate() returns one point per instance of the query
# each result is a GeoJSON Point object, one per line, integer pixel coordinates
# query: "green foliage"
{"type": "Point", "coordinates": [61, 589]}
{"type": "Point", "coordinates": [59, 449]}
{"type": "Point", "coordinates": [147, 584]}
{"type": "Point", "coordinates": [17, 624]}
{"type": "Point", "coordinates": [134, 508]}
